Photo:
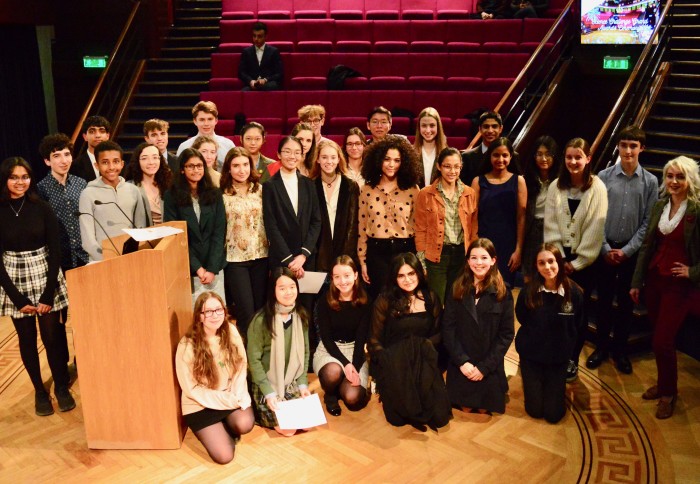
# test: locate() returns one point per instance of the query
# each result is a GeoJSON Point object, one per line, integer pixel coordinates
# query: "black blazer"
{"type": "Point", "coordinates": [173, 163]}
{"type": "Point", "coordinates": [269, 68]}
{"type": "Point", "coordinates": [479, 334]}
{"type": "Point", "coordinates": [345, 227]}
{"type": "Point", "coordinates": [291, 234]}
{"type": "Point", "coordinates": [82, 167]}
{"type": "Point", "coordinates": [471, 164]}
{"type": "Point", "coordinates": [206, 238]}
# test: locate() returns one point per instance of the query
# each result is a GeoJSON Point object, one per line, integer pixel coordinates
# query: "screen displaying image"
{"type": "Point", "coordinates": [618, 21]}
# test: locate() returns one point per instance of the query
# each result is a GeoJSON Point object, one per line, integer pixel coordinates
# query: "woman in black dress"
{"type": "Point", "coordinates": [402, 346]}
{"type": "Point", "coordinates": [477, 331]}
{"type": "Point", "coordinates": [31, 282]}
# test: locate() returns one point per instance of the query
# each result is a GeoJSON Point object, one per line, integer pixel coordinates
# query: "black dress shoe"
{"type": "Point", "coordinates": [334, 410]}
{"type": "Point", "coordinates": [42, 404]}
{"type": "Point", "coordinates": [596, 359]}
{"type": "Point", "coordinates": [623, 364]}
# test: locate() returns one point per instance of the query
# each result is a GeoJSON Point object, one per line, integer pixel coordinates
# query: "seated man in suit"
{"type": "Point", "coordinates": [260, 68]}
{"type": "Point", "coordinates": [95, 129]}
{"type": "Point", "coordinates": [155, 132]}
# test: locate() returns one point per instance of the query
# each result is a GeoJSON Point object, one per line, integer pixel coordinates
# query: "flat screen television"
{"type": "Point", "coordinates": [618, 21]}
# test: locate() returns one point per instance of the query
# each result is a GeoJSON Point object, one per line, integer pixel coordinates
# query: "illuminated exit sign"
{"type": "Point", "coordinates": [94, 62]}
{"type": "Point", "coordinates": [617, 63]}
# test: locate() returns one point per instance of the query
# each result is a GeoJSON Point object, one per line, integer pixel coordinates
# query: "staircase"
{"type": "Point", "coordinates": [673, 129]}
{"type": "Point", "coordinates": [171, 84]}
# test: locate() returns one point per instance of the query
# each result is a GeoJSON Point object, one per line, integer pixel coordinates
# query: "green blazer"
{"type": "Point", "coordinates": [691, 234]}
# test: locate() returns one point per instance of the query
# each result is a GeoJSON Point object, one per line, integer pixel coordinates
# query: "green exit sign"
{"type": "Point", "coordinates": [618, 63]}
{"type": "Point", "coordinates": [94, 62]}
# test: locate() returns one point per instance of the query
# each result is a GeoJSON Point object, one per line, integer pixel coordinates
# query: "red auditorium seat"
{"type": "Point", "coordinates": [503, 69]}
{"type": "Point", "coordinates": [466, 71]}
{"type": "Point", "coordinates": [454, 9]}
{"type": "Point", "coordinates": [346, 109]}
{"type": "Point", "coordinates": [308, 71]}
{"type": "Point", "coordinates": [386, 71]}
{"type": "Point", "coordinates": [418, 9]}
{"type": "Point", "coordinates": [235, 35]}
{"type": "Point", "coordinates": [315, 35]}
{"type": "Point", "coordinates": [390, 9]}
{"type": "Point", "coordinates": [282, 34]}
{"type": "Point", "coordinates": [388, 35]}
{"type": "Point", "coordinates": [427, 71]}
{"type": "Point", "coordinates": [359, 62]}
{"type": "Point", "coordinates": [224, 72]}
{"type": "Point", "coordinates": [228, 103]}
{"type": "Point", "coordinates": [428, 36]}
{"type": "Point", "coordinates": [352, 36]}
{"type": "Point", "coordinates": [555, 8]}
{"type": "Point", "coordinates": [267, 108]}
{"type": "Point", "coordinates": [272, 140]}
{"type": "Point", "coordinates": [502, 35]}
{"type": "Point", "coordinates": [395, 100]}
{"type": "Point", "coordinates": [464, 35]}
{"type": "Point", "coordinates": [311, 8]}
{"type": "Point", "coordinates": [534, 30]}
{"type": "Point", "coordinates": [347, 9]}
{"type": "Point", "coordinates": [275, 9]}
{"type": "Point", "coordinates": [239, 9]}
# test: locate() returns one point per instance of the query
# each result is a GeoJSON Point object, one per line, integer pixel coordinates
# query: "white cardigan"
{"type": "Point", "coordinates": [584, 232]}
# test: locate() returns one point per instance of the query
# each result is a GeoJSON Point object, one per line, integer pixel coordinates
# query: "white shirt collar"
{"type": "Point", "coordinates": [559, 290]}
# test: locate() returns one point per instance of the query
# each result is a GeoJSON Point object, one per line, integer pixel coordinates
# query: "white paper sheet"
{"type": "Point", "coordinates": [312, 282]}
{"type": "Point", "coordinates": [300, 413]}
{"type": "Point", "coordinates": [152, 233]}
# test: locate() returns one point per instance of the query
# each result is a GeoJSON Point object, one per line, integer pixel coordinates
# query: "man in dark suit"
{"type": "Point", "coordinates": [260, 68]}
{"type": "Point", "coordinates": [490, 128]}
{"type": "Point", "coordinates": [155, 132]}
{"type": "Point", "coordinates": [95, 129]}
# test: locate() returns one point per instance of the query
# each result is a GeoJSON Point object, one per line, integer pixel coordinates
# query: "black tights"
{"type": "Point", "coordinates": [53, 335]}
{"type": "Point", "coordinates": [218, 439]}
{"type": "Point", "coordinates": [335, 385]}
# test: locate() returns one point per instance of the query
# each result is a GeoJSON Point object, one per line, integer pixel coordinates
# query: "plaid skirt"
{"type": "Point", "coordinates": [27, 270]}
{"type": "Point", "coordinates": [263, 415]}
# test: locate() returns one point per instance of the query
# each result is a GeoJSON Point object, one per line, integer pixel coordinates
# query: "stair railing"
{"type": "Point", "coordinates": [639, 92]}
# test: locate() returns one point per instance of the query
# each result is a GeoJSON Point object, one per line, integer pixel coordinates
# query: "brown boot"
{"type": "Point", "coordinates": [664, 409]}
{"type": "Point", "coordinates": [652, 393]}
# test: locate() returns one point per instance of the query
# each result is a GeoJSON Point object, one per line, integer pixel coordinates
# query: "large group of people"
{"type": "Point", "coordinates": [419, 279]}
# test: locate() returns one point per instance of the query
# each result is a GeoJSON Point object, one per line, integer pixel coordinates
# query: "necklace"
{"type": "Point", "coordinates": [330, 183]}
{"type": "Point", "coordinates": [20, 207]}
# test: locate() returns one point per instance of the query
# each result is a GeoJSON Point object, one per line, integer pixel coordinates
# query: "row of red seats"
{"type": "Point", "coordinates": [472, 72]}
{"type": "Point", "coordinates": [277, 110]}
{"type": "Point", "coordinates": [328, 35]}
{"type": "Point", "coordinates": [348, 9]}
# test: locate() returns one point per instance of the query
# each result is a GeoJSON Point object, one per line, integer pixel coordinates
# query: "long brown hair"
{"type": "Point", "coordinates": [465, 282]}
{"type": "Point", "coordinates": [226, 182]}
{"type": "Point", "coordinates": [564, 181]}
{"type": "Point", "coordinates": [359, 295]}
{"type": "Point", "coordinates": [327, 143]}
{"type": "Point", "coordinates": [203, 364]}
{"type": "Point", "coordinates": [533, 296]}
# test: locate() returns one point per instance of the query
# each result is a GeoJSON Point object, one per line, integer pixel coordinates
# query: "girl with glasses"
{"type": "Point", "coordinates": [353, 148]}
{"type": "Point", "coordinates": [211, 368]}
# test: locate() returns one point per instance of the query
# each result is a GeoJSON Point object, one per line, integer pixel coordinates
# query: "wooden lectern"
{"type": "Point", "coordinates": [128, 314]}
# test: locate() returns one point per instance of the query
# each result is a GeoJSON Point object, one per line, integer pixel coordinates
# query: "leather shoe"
{"type": "Point", "coordinates": [664, 409]}
{"type": "Point", "coordinates": [334, 410]}
{"type": "Point", "coordinates": [596, 359]}
{"type": "Point", "coordinates": [623, 364]}
{"type": "Point", "coordinates": [42, 404]}
{"type": "Point", "coordinates": [652, 393]}
{"type": "Point", "coordinates": [66, 401]}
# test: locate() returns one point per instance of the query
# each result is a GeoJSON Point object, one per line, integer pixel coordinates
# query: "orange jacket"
{"type": "Point", "coordinates": [430, 220]}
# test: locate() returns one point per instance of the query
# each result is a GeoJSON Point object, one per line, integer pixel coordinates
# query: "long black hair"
{"type": "Point", "coordinates": [207, 193]}
{"type": "Point", "coordinates": [399, 300]}
{"type": "Point", "coordinates": [268, 310]}
{"type": "Point", "coordinates": [6, 169]}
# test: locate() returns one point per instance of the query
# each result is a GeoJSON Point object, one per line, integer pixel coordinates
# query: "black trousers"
{"type": "Point", "coordinates": [246, 287]}
{"type": "Point", "coordinates": [585, 278]}
{"type": "Point", "coordinates": [544, 386]}
{"type": "Point", "coordinates": [380, 252]}
{"type": "Point", "coordinates": [614, 282]}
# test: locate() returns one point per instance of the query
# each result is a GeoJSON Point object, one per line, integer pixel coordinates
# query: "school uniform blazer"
{"type": "Point", "coordinates": [345, 227]}
{"type": "Point", "coordinates": [206, 238]}
{"type": "Point", "coordinates": [172, 162]}
{"type": "Point", "coordinates": [691, 236]}
{"type": "Point", "coordinates": [289, 233]}
{"type": "Point", "coordinates": [270, 67]}
{"type": "Point", "coordinates": [471, 164]}
{"type": "Point", "coordinates": [82, 167]}
{"type": "Point", "coordinates": [479, 334]}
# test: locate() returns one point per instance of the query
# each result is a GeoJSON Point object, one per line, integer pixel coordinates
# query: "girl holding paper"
{"type": "Point", "coordinates": [278, 349]}
{"type": "Point", "coordinates": [211, 369]}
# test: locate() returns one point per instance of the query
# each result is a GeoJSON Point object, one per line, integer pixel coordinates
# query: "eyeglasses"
{"type": "Point", "coordinates": [288, 152]}
{"type": "Point", "coordinates": [17, 179]}
{"type": "Point", "coordinates": [315, 121]}
{"type": "Point", "coordinates": [211, 312]}
{"type": "Point", "coordinates": [356, 144]}
{"type": "Point", "coordinates": [374, 122]}
{"type": "Point", "coordinates": [194, 166]}
{"type": "Point", "coordinates": [450, 167]}
{"type": "Point", "coordinates": [543, 155]}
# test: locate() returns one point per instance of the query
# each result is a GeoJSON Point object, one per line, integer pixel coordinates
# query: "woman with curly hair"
{"type": "Point", "coordinates": [148, 171]}
{"type": "Point", "coordinates": [195, 200]}
{"type": "Point", "coordinates": [386, 214]}
{"type": "Point", "coordinates": [245, 275]}
{"type": "Point", "coordinates": [403, 348]}
{"type": "Point", "coordinates": [211, 368]}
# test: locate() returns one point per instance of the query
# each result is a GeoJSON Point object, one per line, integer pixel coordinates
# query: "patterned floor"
{"type": "Point", "coordinates": [609, 435]}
